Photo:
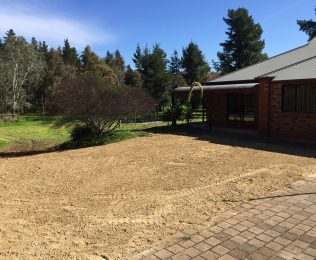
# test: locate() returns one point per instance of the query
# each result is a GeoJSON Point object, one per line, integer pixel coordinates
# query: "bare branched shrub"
{"type": "Point", "coordinates": [98, 104]}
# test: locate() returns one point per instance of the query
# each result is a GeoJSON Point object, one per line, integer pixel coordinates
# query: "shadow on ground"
{"type": "Point", "coordinates": [230, 137]}
{"type": "Point", "coordinates": [247, 139]}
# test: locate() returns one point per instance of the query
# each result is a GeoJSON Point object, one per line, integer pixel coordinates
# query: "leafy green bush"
{"type": "Point", "coordinates": [177, 112]}
{"type": "Point", "coordinates": [188, 113]}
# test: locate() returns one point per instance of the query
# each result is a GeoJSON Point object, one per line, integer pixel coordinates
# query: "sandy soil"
{"type": "Point", "coordinates": [111, 200]}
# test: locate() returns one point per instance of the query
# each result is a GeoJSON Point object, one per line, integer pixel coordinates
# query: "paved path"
{"type": "Point", "coordinates": [282, 226]}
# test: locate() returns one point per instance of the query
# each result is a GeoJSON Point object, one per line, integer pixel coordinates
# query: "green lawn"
{"type": "Point", "coordinates": [36, 128]}
{"type": "Point", "coordinates": [39, 129]}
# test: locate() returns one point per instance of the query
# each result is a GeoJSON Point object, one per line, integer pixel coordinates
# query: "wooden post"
{"type": "Point", "coordinates": [203, 109]}
{"type": "Point", "coordinates": [174, 121]}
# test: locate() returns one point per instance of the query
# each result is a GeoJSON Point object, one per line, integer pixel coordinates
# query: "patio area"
{"type": "Point", "coordinates": [281, 225]}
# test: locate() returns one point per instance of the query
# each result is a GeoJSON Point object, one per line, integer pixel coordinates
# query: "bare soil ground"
{"type": "Point", "coordinates": [114, 199]}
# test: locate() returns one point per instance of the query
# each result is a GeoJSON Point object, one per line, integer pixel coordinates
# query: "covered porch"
{"type": "Point", "coordinates": [227, 105]}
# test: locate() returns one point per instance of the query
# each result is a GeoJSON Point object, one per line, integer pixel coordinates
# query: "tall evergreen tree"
{"type": "Point", "coordinates": [43, 48]}
{"type": "Point", "coordinates": [34, 43]}
{"type": "Point", "coordinates": [89, 60]}
{"type": "Point", "coordinates": [155, 75]}
{"type": "Point", "coordinates": [116, 62]}
{"type": "Point", "coordinates": [175, 63]}
{"type": "Point", "coordinates": [308, 26]}
{"type": "Point", "coordinates": [138, 58]}
{"type": "Point", "coordinates": [109, 57]}
{"type": "Point", "coordinates": [244, 45]}
{"type": "Point", "coordinates": [70, 54]}
{"type": "Point", "coordinates": [194, 64]}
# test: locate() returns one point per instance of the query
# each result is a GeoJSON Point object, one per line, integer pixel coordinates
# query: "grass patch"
{"type": "Point", "coordinates": [35, 132]}
{"type": "Point", "coordinates": [35, 128]}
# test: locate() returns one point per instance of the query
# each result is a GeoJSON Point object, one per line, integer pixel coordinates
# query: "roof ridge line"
{"type": "Point", "coordinates": [288, 66]}
{"type": "Point", "coordinates": [275, 56]}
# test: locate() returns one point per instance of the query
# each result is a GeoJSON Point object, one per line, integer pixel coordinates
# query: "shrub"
{"type": "Point", "coordinates": [95, 102]}
{"type": "Point", "coordinates": [81, 132]}
{"type": "Point", "coordinates": [173, 113]}
{"type": "Point", "coordinates": [188, 113]}
{"type": "Point", "coordinates": [177, 112]}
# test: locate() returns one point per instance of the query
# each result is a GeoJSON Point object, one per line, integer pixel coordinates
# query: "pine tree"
{"type": "Point", "coordinates": [194, 64]}
{"type": "Point", "coordinates": [117, 63]}
{"type": "Point", "coordinates": [308, 26]}
{"type": "Point", "coordinates": [175, 63]}
{"type": "Point", "coordinates": [138, 58]}
{"type": "Point", "coordinates": [155, 76]}
{"type": "Point", "coordinates": [70, 55]}
{"type": "Point", "coordinates": [109, 57]}
{"type": "Point", "coordinates": [34, 43]}
{"type": "Point", "coordinates": [89, 60]}
{"type": "Point", "coordinates": [244, 45]}
{"type": "Point", "coordinates": [43, 48]}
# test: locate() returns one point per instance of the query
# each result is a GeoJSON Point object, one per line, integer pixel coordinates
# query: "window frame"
{"type": "Point", "coordinates": [295, 111]}
{"type": "Point", "coordinates": [242, 112]}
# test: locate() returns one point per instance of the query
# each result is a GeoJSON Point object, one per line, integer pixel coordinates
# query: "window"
{"type": "Point", "coordinates": [299, 98]}
{"type": "Point", "coordinates": [241, 107]}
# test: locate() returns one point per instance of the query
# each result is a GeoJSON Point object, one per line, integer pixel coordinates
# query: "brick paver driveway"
{"type": "Point", "coordinates": [281, 226]}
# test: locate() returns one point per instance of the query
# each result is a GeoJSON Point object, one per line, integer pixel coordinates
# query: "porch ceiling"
{"type": "Point", "coordinates": [218, 87]}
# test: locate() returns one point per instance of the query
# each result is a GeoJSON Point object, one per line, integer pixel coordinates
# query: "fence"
{"type": "Point", "coordinates": [8, 118]}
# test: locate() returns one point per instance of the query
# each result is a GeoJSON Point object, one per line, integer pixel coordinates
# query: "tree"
{"type": "Point", "coordinates": [91, 62]}
{"type": "Point", "coordinates": [117, 63]}
{"type": "Point", "coordinates": [308, 26]}
{"type": "Point", "coordinates": [174, 70]}
{"type": "Point", "coordinates": [244, 45]}
{"type": "Point", "coordinates": [175, 63]}
{"type": "Point", "coordinates": [138, 58]}
{"type": "Point", "coordinates": [97, 104]}
{"type": "Point", "coordinates": [70, 55]}
{"type": "Point", "coordinates": [22, 66]}
{"type": "Point", "coordinates": [55, 72]}
{"type": "Point", "coordinates": [194, 64]}
{"type": "Point", "coordinates": [132, 78]}
{"type": "Point", "coordinates": [154, 74]}
{"type": "Point", "coordinates": [177, 80]}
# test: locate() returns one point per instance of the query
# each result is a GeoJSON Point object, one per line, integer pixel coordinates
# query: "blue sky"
{"type": "Point", "coordinates": [121, 24]}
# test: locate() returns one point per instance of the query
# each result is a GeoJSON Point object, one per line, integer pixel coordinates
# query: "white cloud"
{"type": "Point", "coordinates": [52, 29]}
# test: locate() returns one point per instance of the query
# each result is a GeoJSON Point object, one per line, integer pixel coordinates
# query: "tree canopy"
{"type": "Point", "coordinates": [244, 45]}
{"type": "Point", "coordinates": [21, 68]}
{"type": "Point", "coordinates": [70, 54]}
{"type": "Point", "coordinates": [308, 26]}
{"type": "Point", "coordinates": [194, 64]}
{"type": "Point", "coordinates": [153, 67]}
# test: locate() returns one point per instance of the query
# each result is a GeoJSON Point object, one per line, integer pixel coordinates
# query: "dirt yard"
{"type": "Point", "coordinates": [110, 200]}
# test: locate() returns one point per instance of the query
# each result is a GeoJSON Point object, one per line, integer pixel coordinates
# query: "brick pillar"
{"type": "Point", "coordinates": [263, 105]}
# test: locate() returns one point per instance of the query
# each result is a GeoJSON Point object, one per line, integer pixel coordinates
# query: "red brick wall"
{"type": "Point", "coordinates": [293, 125]}
{"type": "Point", "coordinates": [218, 109]}
{"type": "Point", "coordinates": [216, 105]}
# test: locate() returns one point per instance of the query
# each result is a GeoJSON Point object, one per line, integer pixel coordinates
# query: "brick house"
{"type": "Point", "coordinates": [276, 97]}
